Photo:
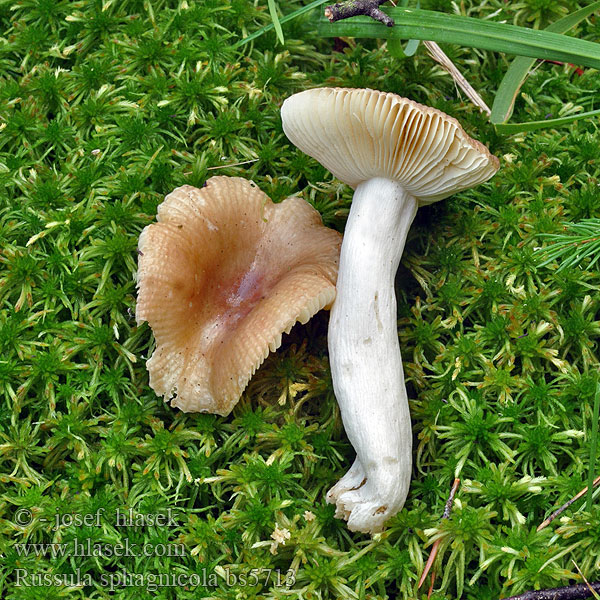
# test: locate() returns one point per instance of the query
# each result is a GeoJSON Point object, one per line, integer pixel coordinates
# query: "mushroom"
{"type": "Point", "coordinates": [221, 276]}
{"type": "Point", "coordinates": [397, 155]}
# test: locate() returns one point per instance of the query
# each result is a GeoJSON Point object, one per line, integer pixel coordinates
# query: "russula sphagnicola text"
{"type": "Point", "coordinates": [397, 155]}
{"type": "Point", "coordinates": [222, 274]}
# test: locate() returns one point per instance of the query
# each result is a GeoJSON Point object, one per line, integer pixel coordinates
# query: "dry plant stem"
{"type": "Point", "coordinates": [440, 56]}
{"type": "Point", "coordinates": [431, 582]}
{"type": "Point", "coordinates": [428, 564]}
{"type": "Point", "coordinates": [366, 364]}
{"type": "Point", "coordinates": [434, 548]}
{"type": "Point", "coordinates": [564, 507]}
{"type": "Point", "coordinates": [586, 581]}
{"type": "Point", "coordinates": [569, 592]}
{"type": "Point", "coordinates": [354, 8]}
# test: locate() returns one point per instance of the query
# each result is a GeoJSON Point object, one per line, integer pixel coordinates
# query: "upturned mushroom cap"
{"type": "Point", "coordinates": [221, 276]}
{"type": "Point", "coordinates": [359, 134]}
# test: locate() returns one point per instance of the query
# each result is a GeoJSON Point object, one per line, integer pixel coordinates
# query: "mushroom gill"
{"type": "Point", "coordinates": [221, 276]}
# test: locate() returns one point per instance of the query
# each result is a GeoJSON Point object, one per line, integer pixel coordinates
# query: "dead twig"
{"type": "Point", "coordinates": [569, 592]}
{"type": "Point", "coordinates": [564, 507]}
{"type": "Point", "coordinates": [434, 548]}
{"type": "Point", "coordinates": [353, 8]}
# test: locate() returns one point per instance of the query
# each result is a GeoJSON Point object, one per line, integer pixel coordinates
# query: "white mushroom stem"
{"type": "Point", "coordinates": [366, 364]}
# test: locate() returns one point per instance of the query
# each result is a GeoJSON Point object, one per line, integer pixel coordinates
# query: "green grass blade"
{"type": "Point", "coordinates": [411, 47]}
{"type": "Point", "coordinates": [508, 128]}
{"type": "Point", "coordinates": [396, 49]}
{"type": "Point", "coordinates": [520, 66]}
{"type": "Point", "coordinates": [275, 19]}
{"type": "Point", "coordinates": [395, 46]}
{"type": "Point", "coordinates": [466, 31]}
{"type": "Point", "coordinates": [282, 20]}
{"type": "Point", "coordinates": [593, 446]}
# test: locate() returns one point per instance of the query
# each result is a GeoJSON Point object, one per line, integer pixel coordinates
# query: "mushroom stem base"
{"type": "Point", "coordinates": [366, 364]}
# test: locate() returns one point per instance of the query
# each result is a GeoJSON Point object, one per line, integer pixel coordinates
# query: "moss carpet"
{"type": "Point", "coordinates": [104, 109]}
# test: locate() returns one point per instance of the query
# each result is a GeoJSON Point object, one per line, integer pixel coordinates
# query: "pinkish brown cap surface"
{"type": "Point", "coordinates": [221, 276]}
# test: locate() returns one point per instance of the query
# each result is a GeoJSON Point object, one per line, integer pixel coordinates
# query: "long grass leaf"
{"type": "Point", "coordinates": [466, 31]}
{"type": "Point", "coordinates": [275, 19]}
{"type": "Point", "coordinates": [518, 70]}
{"type": "Point", "coordinates": [547, 123]}
{"type": "Point", "coordinates": [282, 20]}
{"type": "Point", "coordinates": [395, 48]}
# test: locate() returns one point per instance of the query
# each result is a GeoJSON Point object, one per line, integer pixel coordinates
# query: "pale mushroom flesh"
{"type": "Point", "coordinates": [398, 155]}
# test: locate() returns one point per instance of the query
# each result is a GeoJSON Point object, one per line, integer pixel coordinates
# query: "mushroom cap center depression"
{"type": "Point", "coordinates": [217, 302]}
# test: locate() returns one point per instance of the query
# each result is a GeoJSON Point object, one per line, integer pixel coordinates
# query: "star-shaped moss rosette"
{"type": "Point", "coordinates": [221, 276]}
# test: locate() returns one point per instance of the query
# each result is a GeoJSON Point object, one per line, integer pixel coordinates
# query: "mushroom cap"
{"type": "Point", "coordinates": [221, 276]}
{"type": "Point", "coordinates": [359, 134]}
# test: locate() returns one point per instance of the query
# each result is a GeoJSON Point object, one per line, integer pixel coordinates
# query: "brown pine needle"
{"type": "Point", "coordinates": [431, 584]}
{"type": "Point", "coordinates": [429, 562]}
{"type": "Point", "coordinates": [564, 507]}
{"type": "Point", "coordinates": [434, 548]}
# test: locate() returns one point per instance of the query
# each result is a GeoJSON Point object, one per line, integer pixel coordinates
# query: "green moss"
{"type": "Point", "coordinates": [106, 107]}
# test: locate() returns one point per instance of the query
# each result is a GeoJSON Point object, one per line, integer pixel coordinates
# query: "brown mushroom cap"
{"type": "Point", "coordinates": [221, 276]}
{"type": "Point", "coordinates": [359, 134]}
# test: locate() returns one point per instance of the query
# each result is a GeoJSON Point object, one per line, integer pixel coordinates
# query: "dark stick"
{"type": "Point", "coordinates": [353, 8]}
{"type": "Point", "coordinates": [569, 592]}
{"type": "Point", "coordinates": [450, 501]}
{"type": "Point", "coordinates": [434, 548]}
{"type": "Point", "coordinates": [566, 505]}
